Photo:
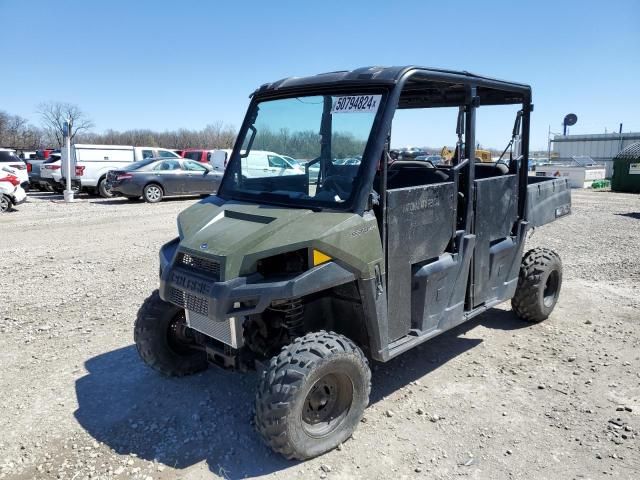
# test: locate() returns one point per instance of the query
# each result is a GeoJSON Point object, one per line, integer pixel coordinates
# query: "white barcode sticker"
{"type": "Point", "coordinates": [356, 104]}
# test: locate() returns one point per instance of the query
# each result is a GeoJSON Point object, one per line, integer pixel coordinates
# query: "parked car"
{"type": "Point", "coordinates": [44, 153]}
{"type": "Point", "coordinates": [27, 155]}
{"type": "Point", "coordinates": [8, 158]}
{"type": "Point", "coordinates": [261, 163]}
{"type": "Point", "coordinates": [153, 179]}
{"type": "Point", "coordinates": [34, 165]}
{"type": "Point", "coordinates": [11, 193]}
{"type": "Point", "coordinates": [48, 168]}
{"type": "Point", "coordinates": [197, 154]}
{"type": "Point", "coordinates": [90, 163]}
{"type": "Point", "coordinates": [434, 159]}
{"type": "Point", "coordinates": [219, 159]}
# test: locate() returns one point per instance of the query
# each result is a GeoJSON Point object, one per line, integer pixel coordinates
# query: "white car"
{"type": "Point", "coordinates": [11, 193]}
{"type": "Point", "coordinates": [8, 158]}
{"type": "Point", "coordinates": [261, 163]}
{"type": "Point", "coordinates": [91, 163]}
{"type": "Point", "coordinates": [51, 166]}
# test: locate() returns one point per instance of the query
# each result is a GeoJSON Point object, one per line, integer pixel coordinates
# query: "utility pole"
{"type": "Point", "coordinates": [620, 138]}
{"type": "Point", "coordinates": [68, 193]}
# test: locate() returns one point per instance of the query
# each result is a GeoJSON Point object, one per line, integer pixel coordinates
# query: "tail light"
{"type": "Point", "coordinates": [79, 171]}
{"type": "Point", "coordinates": [54, 167]}
{"type": "Point", "coordinates": [123, 176]}
{"type": "Point", "coordinates": [18, 166]}
{"type": "Point", "coordinates": [12, 179]}
{"type": "Point", "coordinates": [29, 167]}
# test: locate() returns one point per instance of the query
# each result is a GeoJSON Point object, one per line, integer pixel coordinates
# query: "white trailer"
{"type": "Point", "coordinates": [579, 176]}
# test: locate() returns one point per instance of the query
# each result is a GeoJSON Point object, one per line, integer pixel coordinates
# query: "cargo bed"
{"type": "Point", "coordinates": [548, 198]}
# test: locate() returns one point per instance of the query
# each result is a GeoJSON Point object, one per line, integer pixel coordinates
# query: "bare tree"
{"type": "Point", "coordinates": [16, 132]}
{"type": "Point", "coordinates": [55, 114]}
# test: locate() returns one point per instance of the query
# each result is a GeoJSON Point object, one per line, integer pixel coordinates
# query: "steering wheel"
{"type": "Point", "coordinates": [339, 185]}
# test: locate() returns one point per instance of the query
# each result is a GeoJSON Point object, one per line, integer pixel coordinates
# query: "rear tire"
{"type": "Point", "coordinates": [539, 285]}
{"type": "Point", "coordinates": [5, 204]}
{"type": "Point", "coordinates": [152, 193]}
{"type": "Point", "coordinates": [103, 191]}
{"type": "Point", "coordinates": [161, 338]}
{"type": "Point", "coordinates": [312, 395]}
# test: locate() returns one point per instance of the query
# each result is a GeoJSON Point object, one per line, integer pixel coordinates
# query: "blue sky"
{"type": "Point", "coordinates": [170, 64]}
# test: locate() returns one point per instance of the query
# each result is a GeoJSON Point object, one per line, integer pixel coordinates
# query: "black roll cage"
{"type": "Point", "coordinates": [408, 87]}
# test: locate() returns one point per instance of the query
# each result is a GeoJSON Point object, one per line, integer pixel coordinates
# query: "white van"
{"type": "Point", "coordinates": [90, 163]}
{"type": "Point", "coordinates": [259, 163]}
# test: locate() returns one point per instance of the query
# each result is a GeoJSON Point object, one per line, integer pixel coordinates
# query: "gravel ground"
{"type": "Point", "coordinates": [494, 398]}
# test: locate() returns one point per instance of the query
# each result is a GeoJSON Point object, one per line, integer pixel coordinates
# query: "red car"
{"type": "Point", "coordinates": [197, 154]}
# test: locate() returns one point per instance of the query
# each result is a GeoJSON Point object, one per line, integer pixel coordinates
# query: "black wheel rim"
{"type": "Point", "coordinates": [4, 204]}
{"type": "Point", "coordinates": [327, 404]}
{"type": "Point", "coordinates": [551, 289]}
{"type": "Point", "coordinates": [179, 339]}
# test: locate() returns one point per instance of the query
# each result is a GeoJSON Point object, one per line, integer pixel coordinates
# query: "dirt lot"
{"type": "Point", "coordinates": [494, 398]}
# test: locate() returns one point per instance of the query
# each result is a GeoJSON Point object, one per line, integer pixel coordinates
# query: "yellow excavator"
{"type": "Point", "coordinates": [481, 155]}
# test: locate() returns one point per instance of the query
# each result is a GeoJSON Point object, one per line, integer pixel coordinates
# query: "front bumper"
{"type": "Point", "coordinates": [246, 295]}
{"type": "Point", "coordinates": [19, 196]}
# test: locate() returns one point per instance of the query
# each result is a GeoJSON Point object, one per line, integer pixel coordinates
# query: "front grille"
{"type": "Point", "coordinates": [189, 301]}
{"type": "Point", "coordinates": [228, 331]}
{"type": "Point", "coordinates": [201, 264]}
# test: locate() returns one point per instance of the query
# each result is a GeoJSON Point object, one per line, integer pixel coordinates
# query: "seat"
{"type": "Point", "coordinates": [488, 170]}
{"type": "Point", "coordinates": [412, 174]}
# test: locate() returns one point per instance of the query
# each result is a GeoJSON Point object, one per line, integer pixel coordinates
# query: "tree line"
{"type": "Point", "coordinates": [16, 132]}
{"type": "Point", "coordinates": [305, 144]}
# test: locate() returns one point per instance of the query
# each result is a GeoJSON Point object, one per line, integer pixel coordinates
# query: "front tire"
{"type": "Point", "coordinates": [312, 395]}
{"type": "Point", "coordinates": [162, 339]}
{"type": "Point", "coordinates": [539, 285]}
{"type": "Point", "coordinates": [152, 193]}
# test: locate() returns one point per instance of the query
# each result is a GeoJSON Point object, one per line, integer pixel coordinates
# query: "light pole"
{"type": "Point", "coordinates": [68, 193]}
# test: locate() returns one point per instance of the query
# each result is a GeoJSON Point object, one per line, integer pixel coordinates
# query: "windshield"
{"type": "Point", "coordinates": [193, 155]}
{"type": "Point", "coordinates": [303, 151]}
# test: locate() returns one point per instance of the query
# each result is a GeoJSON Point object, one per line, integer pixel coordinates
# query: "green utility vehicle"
{"type": "Point", "coordinates": [309, 270]}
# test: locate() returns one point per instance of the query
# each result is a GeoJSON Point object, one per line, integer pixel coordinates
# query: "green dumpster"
{"type": "Point", "coordinates": [626, 170]}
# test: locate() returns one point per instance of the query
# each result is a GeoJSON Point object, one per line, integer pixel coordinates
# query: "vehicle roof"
{"type": "Point", "coordinates": [376, 76]}
{"type": "Point", "coordinates": [114, 147]}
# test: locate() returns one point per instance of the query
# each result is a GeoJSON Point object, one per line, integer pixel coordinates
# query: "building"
{"type": "Point", "coordinates": [601, 147]}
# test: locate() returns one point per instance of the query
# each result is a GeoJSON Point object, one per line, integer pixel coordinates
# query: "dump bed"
{"type": "Point", "coordinates": [548, 198]}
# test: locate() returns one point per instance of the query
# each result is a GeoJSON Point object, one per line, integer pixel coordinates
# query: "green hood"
{"type": "Point", "coordinates": [242, 233]}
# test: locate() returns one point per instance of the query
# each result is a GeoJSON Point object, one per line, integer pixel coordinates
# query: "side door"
{"type": "Point", "coordinates": [219, 159]}
{"type": "Point", "coordinates": [199, 178]}
{"type": "Point", "coordinates": [495, 269]}
{"type": "Point", "coordinates": [421, 269]}
{"type": "Point", "coordinates": [278, 166]}
{"type": "Point", "coordinates": [170, 176]}
{"type": "Point", "coordinates": [256, 165]}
